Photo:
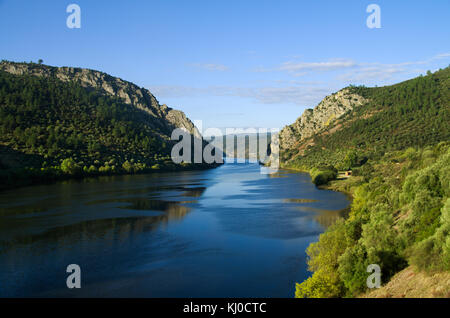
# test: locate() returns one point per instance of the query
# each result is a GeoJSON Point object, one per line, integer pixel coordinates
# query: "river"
{"type": "Point", "coordinates": [224, 232]}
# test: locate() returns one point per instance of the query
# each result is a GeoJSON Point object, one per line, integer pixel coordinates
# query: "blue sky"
{"type": "Point", "coordinates": [234, 63]}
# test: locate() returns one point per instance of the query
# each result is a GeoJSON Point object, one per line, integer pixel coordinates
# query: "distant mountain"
{"type": "Point", "coordinates": [74, 121]}
{"type": "Point", "coordinates": [244, 146]}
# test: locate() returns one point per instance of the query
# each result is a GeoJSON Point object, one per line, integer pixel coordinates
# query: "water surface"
{"type": "Point", "coordinates": [226, 232]}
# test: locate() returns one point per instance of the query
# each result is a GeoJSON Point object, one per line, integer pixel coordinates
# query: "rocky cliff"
{"type": "Point", "coordinates": [312, 121]}
{"type": "Point", "coordinates": [131, 94]}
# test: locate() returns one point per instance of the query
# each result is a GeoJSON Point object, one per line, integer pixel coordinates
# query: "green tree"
{"type": "Point", "coordinates": [127, 166]}
{"type": "Point", "coordinates": [69, 166]}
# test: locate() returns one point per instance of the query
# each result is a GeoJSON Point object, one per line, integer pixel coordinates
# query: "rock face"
{"type": "Point", "coordinates": [314, 120]}
{"type": "Point", "coordinates": [131, 94]}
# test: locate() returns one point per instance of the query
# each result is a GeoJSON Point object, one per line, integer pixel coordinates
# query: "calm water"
{"type": "Point", "coordinates": [227, 232]}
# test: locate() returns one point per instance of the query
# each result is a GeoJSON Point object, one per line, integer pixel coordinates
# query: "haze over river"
{"type": "Point", "coordinates": [225, 232]}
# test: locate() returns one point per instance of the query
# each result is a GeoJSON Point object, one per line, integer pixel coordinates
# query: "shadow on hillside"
{"type": "Point", "coordinates": [11, 159]}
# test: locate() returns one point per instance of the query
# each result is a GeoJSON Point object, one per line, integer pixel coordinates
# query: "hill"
{"type": "Point", "coordinates": [244, 146]}
{"type": "Point", "coordinates": [370, 121]}
{"type": "Point", "coordinates": [66, 121]}
{"type": "Point", "coordinates": [396, 141]}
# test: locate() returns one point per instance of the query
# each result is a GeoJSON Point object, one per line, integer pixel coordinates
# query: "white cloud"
{"type": "Point", "coordinates": [211, 66]}
{"type": "Point", "coordinates": [302, 68]}
{"type": "Point", "coordinates": [307, 93]}
{"type": "Point", "coordinates": [373, 72]}
{"type": "Point", "coordinates": [300, 95]}
{"type": "Point", "coordinates": [355, 70]}
{"type": "Point", "coordinates": [441, 56]}
{"type": "Point", "coordinates": [279, 95]}
{"type": "Point", "coordinates": [316, 66]}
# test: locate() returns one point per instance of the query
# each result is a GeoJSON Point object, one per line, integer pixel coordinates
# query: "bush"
{"type": "Point", "coordinates": [353, 269]}
{"type": "Point", "coordinates": [422, 196]}
{"type": "Point", "coordinates": [92, 170]}
{"type": "Point", "coordinates": [69, 166]}
{"type": "Point", "coordinates": [105, 169]}
{"type": "Point", "coordinates": [320, 285]}
{"type": "Point", "coordinates": [323, 261]}
{"type": "Point", "coordinates": [434, 252]}
{"type": "Point", "coordinates": [365, 171]}
{"type": "Point", "coordinates": [321, 177]}
{"type": "Point", "coordinates": [127, 166]}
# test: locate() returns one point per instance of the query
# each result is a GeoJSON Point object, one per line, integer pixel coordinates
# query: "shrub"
{"type": "Point", "coordinates": [69, 166]}
{"type": "Point", "coordinates": [365, 171]}
{"type": "Point", "coordinates": [422, 195]}
{"type": "Point", "coordinates": [323, 261]}
{"type": "Point", "coordinates": [321, 177]}
{"type": "Point", "coordinates": [92, 170]}
{"type": "Point", "coordinates": [320, 285]}
{"type": "Point", "coordinates": [352, 269]}
{"type": "Point", "coordinates": [434, 252]}
{"type": "Point", "coordinates": [127, 166]}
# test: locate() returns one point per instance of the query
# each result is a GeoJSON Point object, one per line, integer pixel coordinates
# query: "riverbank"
{"type": "Point", "coordinates": [398, 218]}
{"type": "Point", "coordinates": [16, 178]}
{"type": "Point", "coordinates": [344, 185]}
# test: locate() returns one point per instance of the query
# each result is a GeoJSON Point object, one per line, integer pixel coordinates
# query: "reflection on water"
{"type": "Point", "coordinates": [228, 232]}
{"type": "Point", "coordinates": [299, 200]}
{"type": "Point", "coordinates": [170, 207]}
{"type": "Point", "coordinates": [326, 218]}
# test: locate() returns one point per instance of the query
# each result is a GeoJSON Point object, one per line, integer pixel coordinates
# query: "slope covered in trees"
{"type": "Point", "coordinates": [51, 128]}
{"type": "Point", "coordinates": [398, 146]}
{"type": "Point", "coordinates": [412, 113]}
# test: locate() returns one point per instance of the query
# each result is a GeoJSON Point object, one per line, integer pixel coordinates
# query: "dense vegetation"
{"type": "Point", "coordinates": [398, 148]}
{"type": "Point", "coordinates": [414, 113]}
{"type": "Point", "coordinates": [52, 129]}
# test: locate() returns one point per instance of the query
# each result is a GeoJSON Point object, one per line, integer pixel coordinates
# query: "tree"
{"type": "Point", "coordinates": [69, 166]}
{"type": "Point", "coordinates": [323, 261]}
{"type": "Point", "coordinates": [127, 166]}
{"type": "Point", "coordinates": [350, 159]}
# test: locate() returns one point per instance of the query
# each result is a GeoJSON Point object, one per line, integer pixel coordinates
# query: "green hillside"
{"type": "Point", "coordinates": [413, 113]}
{"type": "Point", "coordinates": [398, 147]}
{"type": "Point", "coordinates": [52, 128]}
